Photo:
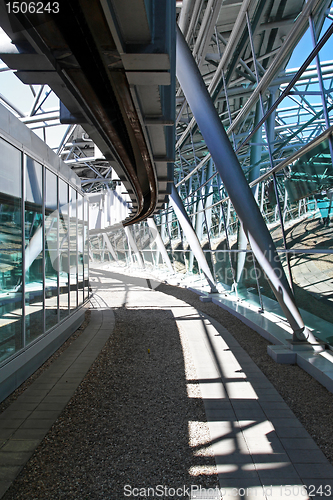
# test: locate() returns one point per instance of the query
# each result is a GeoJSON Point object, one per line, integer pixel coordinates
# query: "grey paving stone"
{"type": "Point", "coordinates": [62, 392]}
{"type": "Point", "coordinates": [250, 414]}
{"type": "Point", "coordinates": [265, 391]}
{"type": "Point", "coordinates": [271, 413]}
{"type": "Point", "coordinates": [262, 384]}
{"type": "Point", "coordinates": [286, 422]}
{"type": "Point", "coordinates": [232, 458]}
{"type": "Point", "coordinates": [282, 470]}
{"type": "Point", "coordinates": [216, 404]}
{"type": "Point", "coordinates": [45, 414]}
{"type": "Point", "coordinates": [236, 471]}
{"type": "Point", "coordinates": [11, 423]}
{"type": "Point", "coordinates": [15, 445]}
{"type": "Point", "coordinates": [255, 428]}
{"type": "Point", "coordinates": [37, 423]}
{"type": "Point", "coordinates": [262, 445]}
{"type": "Point", "coordinates": [219, 414]}
{"type": "Point", "coordinates": [271, 458]}
{"type": "Point", "coordinates": [21, 406]}
{"type": "Point", "coordinates": [307, 457]}
{"type": "Point", "coordinates": [62, 399]}
{"type": "Point", "coordinates": [33, 434]}
{"type": "Point", "coordinates": [9, 472]}
{"type": "Point", "coordinates": [71, 379]}
{"type": "Point", "coordinates": [48, 406]}
{"type": "Point", "coordinates": [4, 485]}
{"type": "Point", "coordinates": [5, 433]}
{"type": "Point", "coordinates": [270, 396]}
{"type": "Point", "coordinates": [298, 444]}
{"type": "Point", "coordinates": [14, 458]}
{"type": "Point", "coordinates": [36, 393]}
{"type": "Point", "coordinates": [14, 414]}
{"type": "Point", "coordinates": [274, 405]}
{"type": "Point", "coordinates": [316, 471]}
{"type": "Point", "coordinates": [248, 404]}
{"type": "Point", "coordinates": [292, 432]}
{"type": "Point", "coordinates": [64, 386]}
{"type": "Point", "coordinates": [44, 386]}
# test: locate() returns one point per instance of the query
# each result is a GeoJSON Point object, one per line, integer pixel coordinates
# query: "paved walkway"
{"type": "Point", "coordinates": [261, 449]}
{"type": "Point", "coordinates": [25, 423]}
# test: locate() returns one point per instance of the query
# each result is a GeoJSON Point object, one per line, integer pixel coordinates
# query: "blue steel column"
{"type": "Point", "coordinates": [191, 236]}
{"type": "Point", "coordinates": [240, 194]}
{"type": "Point", "coordinates": [255, 157]}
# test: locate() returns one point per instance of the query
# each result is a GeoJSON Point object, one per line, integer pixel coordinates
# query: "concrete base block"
{"type": "Point", "coordinates": [282, 354]}
{"type": "Point", "coordinates": [327, 380]}
{"type": "Point", "coordinates": [195, 290]}
{"type": "Point", "coordinates": [305, 346]}
{"type": "Point", "coordinates": [205, 298]}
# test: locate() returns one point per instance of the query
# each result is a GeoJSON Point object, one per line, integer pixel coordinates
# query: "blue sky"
{"type": "Point", "coordinates": [305, 46]}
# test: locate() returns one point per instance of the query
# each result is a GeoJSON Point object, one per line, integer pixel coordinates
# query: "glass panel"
{"type": "Point", "coordinates": [313, 286]}
{"type": "Point", "coordinates": [86, 249]}
{"type": "Point", "coordinates": [10, 250]}
{"type": "Point", "coordinates": [80, 231]}
{"type": "Point", "coordinates": [51, 250]}
{"type": "Point", "coordinates": [309, 184]}
{"type": "Point", "coordinates": [34, 295]}
{"type": "Point", "coordinates": [225, 260]}
{"type": "Point", "coordinates": [63, 249]}
{"type": "Point", "coordinates": [95, 248]}
{"type": "Point", "coordinates": [73, 248]}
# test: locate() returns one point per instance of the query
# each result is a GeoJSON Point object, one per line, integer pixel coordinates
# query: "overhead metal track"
{"type": "Point", "coordinates": [102, 64]}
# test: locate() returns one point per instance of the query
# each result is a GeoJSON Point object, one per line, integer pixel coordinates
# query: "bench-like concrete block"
{"type": "Point", "coordinates": [205, 298]}
{"type": "Point", "coordinates": [282, 354]}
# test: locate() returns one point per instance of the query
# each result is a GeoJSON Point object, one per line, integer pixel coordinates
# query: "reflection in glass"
{"type": "Point", "coordinates": [30, 218]}
{"type": "Point", "coordinates": [86, 249]}
{"type": "Point", "coordinates": [309, 185]}
{"type": "Point", "coordinates": [80, 247]}
{"type": "Point", "coordinates": [313, 286]}
{"type": "Point", "coordinates": [51, 250]}
{"type": "Point", "coordinates": [63, 249]}
{"type": "Point", "coordinates": [33, 219]}
{"type": "Point", "coordinates": [10, 250]}
{"type": "Point", "coordinates": [73, 247]}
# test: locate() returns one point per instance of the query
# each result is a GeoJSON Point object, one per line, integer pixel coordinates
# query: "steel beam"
{"type": "Point", "coordinates": [109, 246]}
{"type": "Point", "coordinates": [240, 194]}
{"type": "Point", "coordinates": [191, 236]}
{"type": "Point", "coordinates": [159, 243]}
{"type": "Point", "coordinates": [132, 244]}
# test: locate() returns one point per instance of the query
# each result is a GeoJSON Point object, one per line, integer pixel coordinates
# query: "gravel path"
{"type": "Point", "coordinates": [128, 421]}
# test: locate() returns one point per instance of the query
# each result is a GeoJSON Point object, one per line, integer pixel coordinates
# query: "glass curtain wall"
{"type": "Point", "coordinates": [11, 256]}
{"type": "Point", "coordinates": [39, 213]}
{"type": "Point", "coordinates": [73, 248]}
{"type": "Point", "coordinates": [51, 250]}
{"type": "Point", "coordinates": [63, 249]}
{"type": "Point", "coordinates": [34, 249]}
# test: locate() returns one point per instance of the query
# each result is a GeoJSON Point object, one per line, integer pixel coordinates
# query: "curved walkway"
{"type": "Point", "coordinates": [171, 406]}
